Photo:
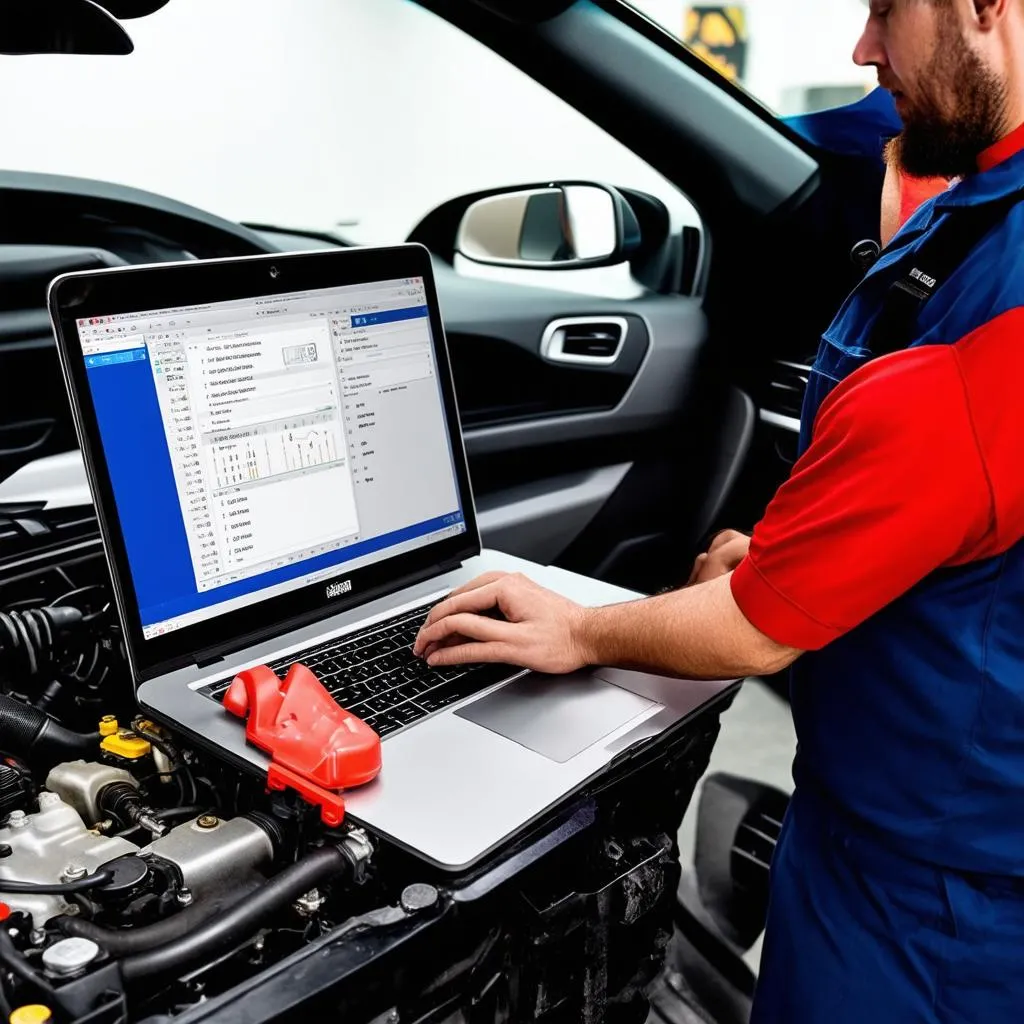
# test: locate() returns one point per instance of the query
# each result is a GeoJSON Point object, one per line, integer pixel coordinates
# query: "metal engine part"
{"type": "Point", "coordinates": [211, 854]}
{"type": "Point", "coordinates": [79, 783]}
{"type": "Point", "coordinates": [43, 845]}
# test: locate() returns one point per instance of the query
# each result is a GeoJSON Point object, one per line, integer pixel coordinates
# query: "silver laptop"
{"type": "Point", "coordinates": [275, 456]}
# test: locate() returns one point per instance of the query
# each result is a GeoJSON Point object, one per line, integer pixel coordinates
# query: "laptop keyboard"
{"type": "Point", "coordinates": [374, 674]}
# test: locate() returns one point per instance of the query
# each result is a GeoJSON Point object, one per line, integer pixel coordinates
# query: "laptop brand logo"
{"type": "Point", "coordinates": [337, 589]}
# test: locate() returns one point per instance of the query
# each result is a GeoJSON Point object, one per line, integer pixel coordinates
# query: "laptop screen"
{"type": "Point", "coordinates": [259, 445]}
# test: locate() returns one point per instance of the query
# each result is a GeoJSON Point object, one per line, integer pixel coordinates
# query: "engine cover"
{"type": "Point", "coordinates": [42, 846]}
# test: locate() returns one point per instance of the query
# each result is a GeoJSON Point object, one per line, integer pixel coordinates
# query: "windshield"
{"type": "Point", "coordinates": [794, 56]}
{"type": "Point", "coordinates": [355, 117]}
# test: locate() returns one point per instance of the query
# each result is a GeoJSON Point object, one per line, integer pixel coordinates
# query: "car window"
{"type": "Point", "coordinates": [356, 118]}
{"type": "Point", "coordinates": [795, 56]}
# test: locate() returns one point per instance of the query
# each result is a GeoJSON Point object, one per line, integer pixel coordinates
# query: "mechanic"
{"type": "Point", "coordinates": [890, 569]}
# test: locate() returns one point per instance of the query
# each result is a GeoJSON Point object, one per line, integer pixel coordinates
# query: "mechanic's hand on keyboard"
{"type": "Point", "coordinates": [534, 628]}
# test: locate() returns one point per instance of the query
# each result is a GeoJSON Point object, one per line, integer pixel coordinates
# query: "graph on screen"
{"type": "Point", "coordinates": [248, 456]}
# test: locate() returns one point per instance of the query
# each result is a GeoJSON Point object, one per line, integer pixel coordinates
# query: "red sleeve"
{"type": "Point", "coordinates": [893, 486]}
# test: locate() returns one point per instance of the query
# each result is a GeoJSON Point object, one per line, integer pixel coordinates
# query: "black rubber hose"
{"type": "Point", "coordinates": [32, 735]}
{"type": "Point", "coordinates": [181, 813]}
{"type": "Point", "coordinates": [240, 919]}
{"type": "Point", "coordinates": [131, 941]}
{"type": "Point", "coordinates": [93, 881]}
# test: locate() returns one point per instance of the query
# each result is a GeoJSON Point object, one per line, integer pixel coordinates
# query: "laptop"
{"type": "Point", "coordinates": [274, 452]}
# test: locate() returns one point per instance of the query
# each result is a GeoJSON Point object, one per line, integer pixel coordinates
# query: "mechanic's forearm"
{"type": "Point", "coordinates": [695, 633]}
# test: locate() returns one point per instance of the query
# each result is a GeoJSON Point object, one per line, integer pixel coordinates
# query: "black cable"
{"type": "Point", "coordinates": [239, 920]}
{"type": "Point", "coordinates": [188, 811]}
{"type": "Point", "coordinates": [16, 963]}
{"type": "Point", "coordinates": [163, 745]}
{"type": "Point", "coordinates": [172, 754]}
{"type": "Point", "coordinates": [5, 1006]}
{"type": "Point", "coordinates": [93, 881]}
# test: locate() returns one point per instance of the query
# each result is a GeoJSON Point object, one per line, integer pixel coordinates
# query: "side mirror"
{"type": "Point", "coordinates": [60, 26]}
{"type": "Point", "coordinates": [557, 227]}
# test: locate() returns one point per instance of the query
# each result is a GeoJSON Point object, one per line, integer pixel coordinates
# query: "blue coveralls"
{"type": "Point", "coordinates": [898, 882]}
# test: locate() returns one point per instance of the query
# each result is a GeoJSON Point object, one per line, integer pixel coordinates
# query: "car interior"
{"type": "Point", "coordinates": [617, 469]}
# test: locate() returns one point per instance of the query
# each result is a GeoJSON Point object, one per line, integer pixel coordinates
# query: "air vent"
{"type": "Point", "coordinates": [585, 341]}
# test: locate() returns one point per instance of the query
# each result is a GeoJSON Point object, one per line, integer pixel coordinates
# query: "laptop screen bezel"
{"type": "Point", "coordinates": [112, 292]}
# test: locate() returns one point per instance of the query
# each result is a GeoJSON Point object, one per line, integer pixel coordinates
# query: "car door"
{"type": "Point", "coordinates": [779, 262]}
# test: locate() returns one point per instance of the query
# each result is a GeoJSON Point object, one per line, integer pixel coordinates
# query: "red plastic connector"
{"type": "Point", "coordinates": [317, 747]}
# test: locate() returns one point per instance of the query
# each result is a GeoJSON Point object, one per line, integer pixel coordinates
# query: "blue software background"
{"type": "Point", "coordinates": [139, 462]}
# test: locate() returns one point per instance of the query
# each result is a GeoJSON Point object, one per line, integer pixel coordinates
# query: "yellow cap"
{"type": "Point", "coordinates": [108, 725]}
{"type": "Point", "coordinates": [126, 744]}
{"type": "Point", "coordinates": [34, 1013]}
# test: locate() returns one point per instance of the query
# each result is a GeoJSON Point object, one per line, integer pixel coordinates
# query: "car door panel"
{"type": "Point", "coordinates": [484, 318]}
{"type": "Point", "coordinates": [540, 519]}
{"type": "Point", "coordinates": [569, 460]}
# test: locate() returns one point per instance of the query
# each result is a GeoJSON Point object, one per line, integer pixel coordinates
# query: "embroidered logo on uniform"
{"type": "Point", "coordinates": [917, 275]}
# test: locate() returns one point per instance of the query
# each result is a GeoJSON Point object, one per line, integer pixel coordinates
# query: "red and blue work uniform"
{"type": "Point", "coordinates": [894, 556]}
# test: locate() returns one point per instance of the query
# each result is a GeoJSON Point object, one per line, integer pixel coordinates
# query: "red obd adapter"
{"type": "Point", "coordinates": [317, 747]}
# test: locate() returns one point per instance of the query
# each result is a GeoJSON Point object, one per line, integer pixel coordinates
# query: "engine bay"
{"type": "Point", "coordinates": [143, 879]}
{"type": "Point", "coordinates": [117, 842]}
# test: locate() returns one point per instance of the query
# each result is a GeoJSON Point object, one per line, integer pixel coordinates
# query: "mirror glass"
{"type": "Point", "coordinates": [558, 226]}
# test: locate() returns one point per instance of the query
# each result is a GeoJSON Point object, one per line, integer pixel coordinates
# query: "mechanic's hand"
{"type": "Point", "coordinates": [534, 629]}
{"type": "Point", "coordinates": [727, 550]}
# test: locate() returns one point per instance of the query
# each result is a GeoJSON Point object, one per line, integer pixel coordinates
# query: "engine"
{"type": "Point", "coordinates": [135, 872]}
{"type": "Point", "coordinates": [76, 832]}
{"type": "Point", "coordinates": [103, 864]}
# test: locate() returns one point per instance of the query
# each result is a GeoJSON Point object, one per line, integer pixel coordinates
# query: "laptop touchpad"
{"type": "Point", "coordinates": [556, 716]}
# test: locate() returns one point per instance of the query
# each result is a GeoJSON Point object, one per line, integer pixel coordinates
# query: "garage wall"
{"type": "Point", "coordinates": [793, 44]}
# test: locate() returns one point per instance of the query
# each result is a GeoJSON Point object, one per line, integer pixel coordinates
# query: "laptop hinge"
{"type": "Point", "coordinates": [213, 655]}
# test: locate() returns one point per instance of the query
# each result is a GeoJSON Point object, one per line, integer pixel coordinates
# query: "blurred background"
{"type": "Point", "coordinates": [370, 134]}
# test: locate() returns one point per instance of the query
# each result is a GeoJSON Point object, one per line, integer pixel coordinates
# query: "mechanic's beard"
{"type": "Point", "coordinates": [935, 144]}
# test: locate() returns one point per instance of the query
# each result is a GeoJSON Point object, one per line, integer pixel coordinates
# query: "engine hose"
{"type": "Point", "coordinates": [28, 638]}
{"type": "Point", "coordinates": [93, 881]}
{"type": "Point", "coordinates": [130, 941]}
{"type": "Point", "coordinates": [239, 920]}
{"type": "Point", "coordinates": [32, 735]}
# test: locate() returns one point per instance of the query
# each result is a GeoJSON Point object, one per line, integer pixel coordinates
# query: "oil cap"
{"type": "Point", "coordinates": [70, 955]}
{"type": "Point", "coordinates": [33, 1013]}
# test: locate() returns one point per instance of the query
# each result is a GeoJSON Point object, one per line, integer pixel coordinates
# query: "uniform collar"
{"type": "Point", "coordinates": [1008, 146]}
{"type": "Point", "coordinates": [1000, 173]}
